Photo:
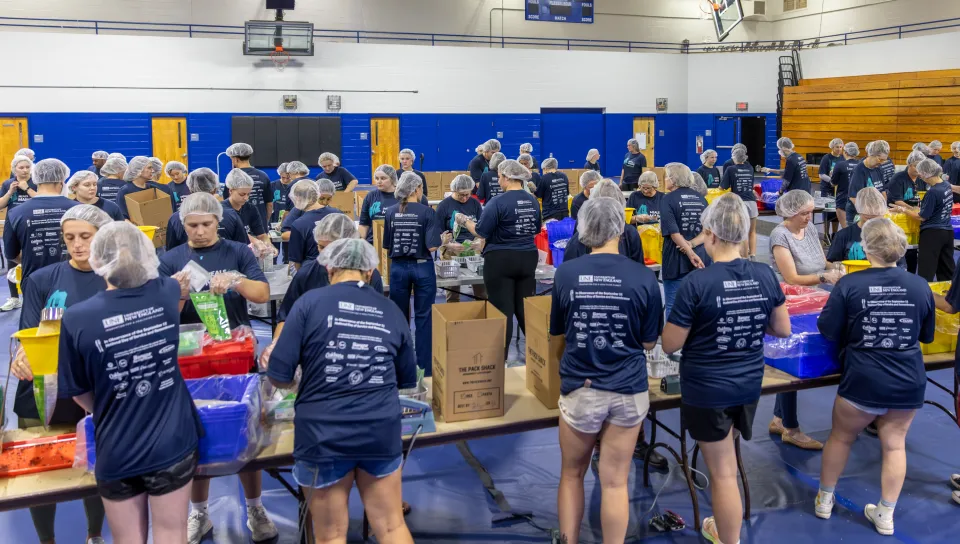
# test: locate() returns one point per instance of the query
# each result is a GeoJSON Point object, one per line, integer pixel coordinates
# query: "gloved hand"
{"type": "Point", "coordinates": [225, 281]}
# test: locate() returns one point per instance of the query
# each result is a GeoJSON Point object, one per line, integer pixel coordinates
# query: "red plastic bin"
{"type": "Point", "coordinates": [37, 455]}
{"type": "Point", "coordinates": [542, 242]}
{"type": "Point", "coordinates": [804, 300]}
{"type": "Point", "coordinates": [233, 358]}
{"type": "Point", "coordinates": [955, 210]}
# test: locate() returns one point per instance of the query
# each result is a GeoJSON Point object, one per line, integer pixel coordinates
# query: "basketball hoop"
{"type": "Point", "coordinates": [280, 58]}
{"type": "Point", "coordinates": [707, 7]}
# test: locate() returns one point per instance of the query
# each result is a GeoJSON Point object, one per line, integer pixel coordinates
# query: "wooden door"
{"type": "Point", "coordinates": [384, 142]}
{"type": "Point", "coordinates": [170, 141]}
{"type": "Point", "coordinates": [644, 130]}
{"type": "Point", "coordinates": [13, 137]}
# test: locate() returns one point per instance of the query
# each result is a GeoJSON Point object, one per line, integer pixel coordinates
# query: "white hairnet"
{"type": "Point", "coordinates": [739, 156]}
{"type": "Point", "coordinates": [297, 168]}
{"type": "Point", "coordinates": [883, 239]}
{"type": "Point", "coordinates": [634, 144]}
{"type": "Point", "coordinates": [526, 148]}
{"type": "Point", "coordinates": [511, 169]}
{"type": "Point", "coordinates": [738, 146]}
{"type": "Point", "coordinates": [101, 155]}
{"type": "Point", "coordinates": [328, 157]}
{"type": "Point", "coordinates": [174, 166]}
{"type": "Point", "coordinates": [334, 227]}
{"type": "Point", "coordinates": [123, 256]}
{"type": "Point", "coordinates": [389, 171]}
{"type": "Point", "coordinates": [785, 144]}
{"type": "Point", "coordinates": [835, 142]}
{"type": "Point", "coordinates": [201, 203]}
{"type": "Point", "coordinates": [955, 147]}
{"type": "Point", "coordinates": [852, 149]}
{"type": "Point", "coordinates": [936, 144]}
{"type": "Point", "coordinates": [790, 203]}
{"type": "Point", "coordinates": [593, 154]}
{"type": "Point", "coordinates": [282, 169]}
{"type": "Point", "coordinates": [406, 151]}
{"type": "Point", "coordinates": [698, 184]}
{"type": "Point", "coordinates": [135, 167]}
{"type": "Point", "coordinates": [526, 159]}
{"type": "Point", "coordinates": [915, 158]}
{"type": "Point", "coordinates": [50, 171]}
{"type": "Point", "coordinates": [494, 145]}
{"type": "Point", "coordinates": [304, 193]}
{"type": "Point", "coordinates": [483, 148]}
{"type": "Point", "coordinates": [589, 177]}
{"type": "Point", "coordinates": [877, 148]}
{"type": "Point", "coordinates": [608, 189]}
{"type": "Point", "coordinates": [349, 254]}
{"type": "Point", "coordinates": [871, 202]}
{"type": "Point", "coordinates": [600, 220]}
{"type": "Point", "coordinates": [115, 166]}
{"type": "Point", "coordinates": [86, 212]}
{"type": "Point", "coordinates": [237, 180]}
{"type": "Point", "coordinates": [325, 187]}
{"type": "Point", "coordinates": [649, 179]}
{"type": "Point", "coordinates": [157, 165]}
{"type": "Point", "coordinates": [26, 152]}
{"type": "Point", "coordinates": [549, 163]}
{"type": "Point", "coordinates": [117, 156]}
{"type": "Point", "coordinates": [240, 150]}
{"type": "Point", "coordinates": [462, 183]}
{"type": "Point", "coordinates": [706, 155]}
{"type": "Point", "coordinates": [679, 173]}
{"type": "Point", "coordinates": [496, 159]}
{"type": "Point", "coordinates": [17, 159]}
{"type": "Point", "coordinates": [202, 180]}
{"type": "Point", "coordinates": [927, 169]}
{"type": "Point", "coordinates": [727, 218]}
{"type": "Point", "coordinates": [408, 184]}
{"type": "Point", "coordinates": [78, 177]}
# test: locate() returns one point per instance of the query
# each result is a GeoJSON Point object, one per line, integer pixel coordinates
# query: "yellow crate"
{"type": "Point", "coordinates": [945, 337]}
{"type": "Point", "coordinates": [652, 242]}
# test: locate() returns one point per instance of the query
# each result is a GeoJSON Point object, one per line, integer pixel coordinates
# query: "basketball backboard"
{"type": "Point", "coordinates": [261, 38]}
{"type": "Point", "coordinates": [726, 15]}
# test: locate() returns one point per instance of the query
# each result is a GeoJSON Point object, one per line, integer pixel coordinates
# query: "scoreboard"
{"type": "Point", "coordinates": [560, 11]}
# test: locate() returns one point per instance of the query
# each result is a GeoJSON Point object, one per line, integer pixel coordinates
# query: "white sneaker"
{"type": "Point", "coordinates": [96, 540]}
{"type": "Point", "coordinates": [955, 481]}
{"type": "Point", "coordinates": [259, 524]}
{"type": "Point", "coordinates": [12, 303]}
{"type": "Point", "coordinates": [824, 508]}
{"type": "Point", "coordinates": [198, 526]}
{"type": "Point", "coordinates": [956, 497]}
{"type": "Point", "coordinates": [884, 526]}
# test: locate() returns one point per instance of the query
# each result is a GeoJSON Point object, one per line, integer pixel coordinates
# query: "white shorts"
{"type": "Point", "coordinates": [587, 409]}
{"type": "Point", "coordinates": [866, 409]}
{"type": "Point", "coordinates": [752, 209]}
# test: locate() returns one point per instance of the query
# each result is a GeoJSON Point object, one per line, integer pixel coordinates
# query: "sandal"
{"type": "Point", "coordinates": [406, 508]}
{"type": "Point", "coordinates": [802, 441]}
{"type": "Point", "coordinates": [709, 530]}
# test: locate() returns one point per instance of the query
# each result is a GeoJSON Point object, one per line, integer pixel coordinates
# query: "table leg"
{"type": "Point", "coordinates": [743, 478]}
{"type": "Point", "coordinates": [952, 393]}
{"type": "Point", "coordinates": [653, 440]}
{"type": "Point", "coordinates": [273, 316]}
{"type": "Point", "coordinates": [686, 471]}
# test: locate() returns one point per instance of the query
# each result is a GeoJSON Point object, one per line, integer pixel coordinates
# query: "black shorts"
{"type": "Point", "coordinates": [713, 424]}
{"type": "Point", "coordinates": [155, 483]}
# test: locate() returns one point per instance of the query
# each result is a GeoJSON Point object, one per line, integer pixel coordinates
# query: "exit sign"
{"type": "Point", "coordinates": [742, 106]}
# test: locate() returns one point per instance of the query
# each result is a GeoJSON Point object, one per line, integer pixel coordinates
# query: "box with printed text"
{"type": "Point", "coordinates": [543, 352]}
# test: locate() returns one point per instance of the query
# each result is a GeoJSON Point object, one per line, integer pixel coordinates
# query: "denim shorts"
{"type": "Point", "coordinates": [321, 475]}
{"type": "Point", "coordinates": [587, 409]}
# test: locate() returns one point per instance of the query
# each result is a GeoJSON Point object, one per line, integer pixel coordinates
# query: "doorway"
{"type": "Point", "coordinates": [726, 130]}
{"type": "Point", "coordinates": [753, 134]}
{"type": "Point", "coordinates": [169, 141]}
{"type": "Point", "coordinates": [644, 130]}
{"type": "Point", "coordinates": [384, 142]}
{"type": "Point", "coordinates": [13, 137]}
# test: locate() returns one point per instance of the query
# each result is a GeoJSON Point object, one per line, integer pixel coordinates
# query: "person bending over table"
{"type": "Point", "coordinates": [588, 180]}
{"type": "Point", "coordinates": [460, 202]}
{"type": "Point", "coordinates": [708, 169]}
{"type": "Point", "coordinates": [827, 189]}
{"type": "Point", "coordinates": [240, 187]}
{"type": "Point", "coordinates": [489, 185]}
{"type": "Point", "coordinates": [342, 179]}
{"type": "Point", "coordinates": [377, 201]}
{"type": "Point", "coordinates": [799, 260]}
{"type": "Point", "coordinates": [795, 177]}
{"type": "Point", "coordinates": [680, 214]}
{"type": "Point", "coordinates": [237, 276]}
{"type": "Point", "coordinates": [646, 201]}
{"type": "Point", "coordinates": [113, 172]}
{"type": "Point", "coordinates": [840, 178]}
{"type": "Point", "coordinates": [298, 172]}
{"type": "Point", "coordinates": [867, 173]}
{"type": "Point", "coordinates": [603, 391]}
{"type": "Point", "coordinates": [630, 244]}
{"type": "Point", "coordinates": [935, 251]}
{"type": "Point", "coordinates": [738, 178]}
{"type": "Point", "coordinates": [146, 445]}
{"type": "Point", "coordinates": [229, 227]}
{"type": "Point", "coordinates": [314, 198]}
{"type": "Point", "coordinates": [593, 160]}
{"type": "Point", "coordinates": [139, 177]}
{"type": "Point", "coordinates": [508, 225]}
{"type": "Point", "coordinates": [527, 161]}
{"type": "Point", "coordinates": [481, 163]}
{"type": "Point", "coordinates": [177, 172]}
{"type": "Point", "coordinates": [903, 186]}
{"type": "Point", "coordinates": [347, 429]}
{"type": "Point", "coordinates": [936, 147]}
{"type": "Point", "coordinates": [883, 377]}
{"type": "Point", "coordinates": [553, 190]}
{"type": "Point", "coordinates": [60, 285]}
{"type": "Point", "coordinates": [527, 149]}
{"type": "Point", "coordinates": [721, 372]}
{"type": "Point", "coordinates": [633, 164]}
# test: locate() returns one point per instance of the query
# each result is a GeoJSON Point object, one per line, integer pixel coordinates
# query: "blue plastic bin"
{"type": "Point", "coordinates": [771, 185]}
{"type": "Point", "coordinates": [955, 221]}
{"type": "Point", "coordinates": [769, 199]}
{"type": "Point", "coordinates": [558, 252]}
{"type": "Point", "coordinates": [806, 353]}
{"type": "Point", "coordinates": [560, 230]}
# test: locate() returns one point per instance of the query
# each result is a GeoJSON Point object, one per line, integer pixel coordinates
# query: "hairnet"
{"type": "Point", "coordinates": [462, 183]}
{"type": "Point", "coordinates": [201, 203]}
{"type": "Point", "coordinates": [50, 171]}
{"type": "Point", "coordinates": [936, 144]}
{"type": "Point", "coordinates": [240, 150]}
{"type": "Point", "coordinates": [349, 254]}
{"type": "Point", "coordinates": [407, 152]}
{"type": "Point", "coordinates": [589, 177]}
{"type": "Point", "coordinates": [18, 159]}
{"type": "Point", "coordinates": [334, 227]}
{"type": "Point", "coordinates": [835, 142]}
{"type": "Point", "coordinates": [785, 144]}
{"type": "Point", "coordinates": [871, 202]}
{"type": "Point", "coordinates": [79, 177]}
{"type": "Point", "coordinates": [326, 187]}
{"type": "Point", "coordinates": [852, 149]}
{"type": "Point", "coordinates": [526, 148]}
{"type": "Point", "coordinates": [697, 183]}
{"type": "Point", "coordinates": [135, 167]}
{"type": "Point", "coordinates": [955, 146]}
{"type": "Point", "coordinates": [157, 165]}
{"type": "Point", "coordinates": [123, 256]}
{"type": "Point", "coordinates": [389, 171]}
{"type": "Point", "coordinates": [327, 156]}
{"type": "Point", "coordinates": [202, 180]}
{"type": "Point", "coordinates": [100, 155]}
{"type": "Point", "coordinates": [511, 169]}
{"type": "Point", "coordinates": [792, 202]}
{"type": "Point", "coordinates": [738, 146]}
{"type": "Point", "coordinates": [496, 159]}
{"type": "Point", "coordinates": [26, 152]}
{"type": "Point", "coordinates": [282, 169]}
{"type": "Point", "coordinates": [483, 148]}
{"type": "Point", "coordinates": [86, 212]}
{"type": "Point", "coordinates": [526, 159]}
{"type": "Point", "coordinates": [115, 166]}
{"type": "Point", "coordinates": [633, 143]}
{"type": "Point", "coordinates": [608, 189]}
{"type": "Point", "coordinates": [297, 168]}
{"type": "Point", "coordinates": [305, 193]}
{"type": "Point", "coordinates": [915, 158]}
{"type": "Point", "coordinates": [877, 148]}
{"type": "Point", "coordinates": [739, 155]}
{"type": "Point", "coordinates": [549, 163]}
{"type": "Point", "coordinates": [649, 179]}
{"type": "Point", "coordinates": [726, 217]}
{"type": "Point", "coordinates": [494, 145]}
{"type": "Point", "coordinates": [600, 220]}
{"type": "Point", "coordinates": [117, 156]}
{"type": "Point", "coordinates": [883, 239]}
{"type": "Point", "coordinates": [237, 180]}
{"type": "Point", "coordinates": [592, 154]}
{"type": "Point", "coordinates": [408, 184]}
{"type": "Point", "coordinates": [679, 173]}
{"type": "Point", "coordinates": [928, 168]}
{"type": "Point", "coordinates": [706, 154]}
{"type": "Point", "coordinates": [174, 165]}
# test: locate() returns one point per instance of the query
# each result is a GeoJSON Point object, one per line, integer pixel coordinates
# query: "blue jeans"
{"type": "Point", "coordinates": [851, 213]}
{"type": "Point", "coordinates": [786, 409]}
{"type": "Point", "coordinates": [322, 475]}
{"type": "Point", "coordinates": [670, 288]}
{"type": "Point", "coordinates": [421, 278]}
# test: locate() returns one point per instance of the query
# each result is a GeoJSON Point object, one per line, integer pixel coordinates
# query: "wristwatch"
{"type": "Point", "coordinates": [822, 279]}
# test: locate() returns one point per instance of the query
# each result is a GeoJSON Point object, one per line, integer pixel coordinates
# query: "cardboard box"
{"type": "Point", "coordinates": [447, 177]}
{"type": "Point", "coordinates": [358, 196]}
{"type": "Point", "coordinates": [435, 187]}
{"type": "Point", "coordinates": [3, 220]}
{"type": "Point", "coordinates": [468, 361]}
{"type": "Point", "coordinates": [151, 207]}
{"type": "Point", "coordinates": [384, 265]}
{"type": "Point", "coordinates": [543, 367]}
{"type": "Point", "coordinates": [345, 202]}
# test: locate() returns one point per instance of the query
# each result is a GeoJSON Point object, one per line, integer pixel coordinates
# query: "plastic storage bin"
{"type": "Point", "coordinates": [37, 455]}
{"type": "Point", "coordinates": [945, 337]}
{"type": "Point", "coordinates": [713, 194]}
{"type": "Point", "coordinates": [855, 266]}
{"type": "Point", "coordinates": [448, 269]}
{"type": "Point", "coordinates": [806, 353]}
{"type": "Point", "coordinates": [910, 226]}
{"type": "Point", "coordinates": [560, 230]}
{"type": "Point", "coordinates": [769, 200]}
{"type": "Point", "coordinates": [771, 185]}
{"type": "Point", "coordinates": [804, 300]}
{"type": "Point", "coordinates": [191, 339]}
{"type": "Point", "coordinates": [557, 249]}
{"type": "Point", "coordinates": [231, 358]}
{"type": "Point", "coordinates": [955, 221]}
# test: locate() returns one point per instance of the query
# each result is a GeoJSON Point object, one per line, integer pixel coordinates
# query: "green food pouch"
{"type": "Point", "coordinates": [213, 313]}
{"type": "Point", "coordinates": [45, 395]}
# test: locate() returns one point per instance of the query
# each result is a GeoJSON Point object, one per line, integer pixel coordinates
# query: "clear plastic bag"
{"type": "Point", "coordinates": [804, 300]}
{"type": "Point", "coordinates": [805, 353]}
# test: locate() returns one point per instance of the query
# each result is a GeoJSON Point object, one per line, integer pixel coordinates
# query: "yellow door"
{"type": "Point", "coordinates": [384, 142]}
{"type": "Point", "coordinates": [13, 137]}
{"type": "Point", "coordinates": [644, 130]}
{"type": "Point", "coordinates": [170, 141]}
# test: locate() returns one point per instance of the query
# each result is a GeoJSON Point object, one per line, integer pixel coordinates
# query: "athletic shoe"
{"type": "Point", "coordinates": [956, 497]}
{"type": "Point", "coordinates": [259, 524]}
{"type": "Point", "coordinates": [12, 303]}
{"type": "Point", "coordinates": [955, 481]}
{"type": "Point", "coordinates": [884, 526]}
{"type": "Point", "coordinates": [198, 526]}
{"type": "Point", "coordinates": [96, 540]}
{"type": "Point", "coordinates": [657, 461]}
{"type": "Point", "coordinates": [709, 530]}
{"type": "Point", "coordinates": [824, 508]}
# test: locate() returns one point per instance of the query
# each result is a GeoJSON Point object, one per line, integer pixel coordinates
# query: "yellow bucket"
{"type": "Point", "coordinates": [43, 352]}
{"type": "Point", "coordinates": [628, 214]}
{"type": "Point", "coordinates": [18, 272]}
{"type": "Point", "coordinates": [856, 266]}
{"type": "Point", "coordinates": [150, 231]}
{"type": "Point", "coordinates": [570, 205]}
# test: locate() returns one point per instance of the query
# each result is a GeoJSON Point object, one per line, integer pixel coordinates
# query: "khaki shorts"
{"type": "Point", "coordinates": [752, 210]}
{"type": "Point", "coordinates": [587, 409]}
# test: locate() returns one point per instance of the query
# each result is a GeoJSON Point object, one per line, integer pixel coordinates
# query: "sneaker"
{"type": "Point", "coordinates": [824, 508]}
{"type": "Point", "coordinates": [709, 530]}
{"type": "Point", "coordinates": [657, 461]}
{"type": "Point", "coordinates": [12, 303]}
{"type": "Point", "coordinates": [96, 540]}
{"type": "Point", "coordinates": [956, 497]}
{"type": "Point", "coordinates": [872, 430]}
{"type": "Point", "coordinates": [259, 524]}
{"type": "Point", "coordinates": [884, 526]}
{"type": "Point", "coordinates": [198, 526]}
{"type": "Point", "coordinates": [955, 481]}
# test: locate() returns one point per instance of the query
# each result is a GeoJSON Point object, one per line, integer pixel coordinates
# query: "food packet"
{"type": "Point", "coordinates": [45, 395]}
{"type": "Point", "coordinates": [199, 277]}
{"type": "Point", "coordinates": [213, 313]}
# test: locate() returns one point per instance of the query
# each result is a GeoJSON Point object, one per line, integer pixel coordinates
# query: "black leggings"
{"type": "Point", "coordinates": [13, 289]}
{"type": "Point", "coordinates": [510, 276]}
{"type": "Point", "coordinates": [936, 255]}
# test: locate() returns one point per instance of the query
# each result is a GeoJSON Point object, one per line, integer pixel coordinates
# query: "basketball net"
{"type": "Point", "coordinates": [280, 58]}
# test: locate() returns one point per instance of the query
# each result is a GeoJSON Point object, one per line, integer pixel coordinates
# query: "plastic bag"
{"type": "Point", "coordinates": [45, 395]}
{"type": "Point", "coordinates": [198, 276]}
{"type": "Point", "coordinates": [213, 313]}
{"type": "Point", "coordinates": [805, 353]}
{"type": "Point", "coordinates": [804, 300]}
{"type": "Point", "coordinates": [948, 324]}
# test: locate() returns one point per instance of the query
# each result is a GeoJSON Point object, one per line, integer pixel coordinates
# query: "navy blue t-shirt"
{"type": "Point", "coordinates": [936, 207]}
{"type": "Point", "coordinates": [249, 216]}
{"type": "Point", "coordinates": [711, 176]}
{"type": "Point", "coordinates": [223, 256]}
{"type": "Point", "coordinates": [795, 174]}
{"type": "Point", "coordinates": [260, 195]}
{"type": "Point", "coordinates": [109, 208]}
{"type": "Point", "coordinates": [888, 169]}
{"type": "Point", "coordinates": [280, 201]}
{"type": "Point", "coordinates": [375, 206]}
{"type": "Point", "coordinates": [410, 234]}
{"type": "Point", "coordinates": [901, 187]}
{"type": "Point", "coordinates": [130, 188]}
{"type": "Point", "coordinates": [314, 276]}
{"type": "Point", "coordinates": [32, 232]}
{"type": "Point", "coordinates": [510, 221]}
{"type": "Point", "coordinates": [107, 188]}
{"type": "Point", "coordinates": [630, 246]}
{"type": "Point", "coordinates": [642, 205]}
{"type": "Point", "coordinates": [680, 212]}
{"type": "Point", "coordinates": [951, 167]}
{"type": "Point", "coordinates": [303, 246]}
{"type": "Point", "coordinates": [592, 166]}
{"type": "Point", "coordinates": [489, 186]}
{"type": "Point", "coordinates": [554, 189]}
{"type": "Point", "coordinates": [880, 316]}
{"type": "Point", "coordinates": [578, 202]}
{"type": "Point", "coordinates": [633, 166]}
{"type": "Point", "coordinates": [739, 179]}
{"type": "Point", "coordinates": [121, 345]}
{"type": "Point", "coordinates": [936, 158]}
{"type": "Point", "coordinates": [423, 178]}
{"type": "Point", "coordinates": [865, 177]}
{"type": "Point", "coordinates": [289, 218]}
{"type": "Point", "coordinates": [450, 206]}
{"type": "Point", "coordinates": [18, 197]}
{"type": "Point", "coordinates": [341, 177]}
{"type": "Point", "coordinates": [478, 165]}
{"type": "Point", "coordinates": [842, 173]}
{"type": "Point", "coordinates": [827, 164]}
{"type": "Point", "coordinates": [230, 228]}
{"type": "Point", "coordinates": [846, 245]}
{"type": "Point", "coordinates": [180, 191]}
{"type": "Point", "coordinates": [727, 308]}
{"type": "Point", "coordinates": [607, 307]}
{"type": "Point", "coordinates": [355, 350]}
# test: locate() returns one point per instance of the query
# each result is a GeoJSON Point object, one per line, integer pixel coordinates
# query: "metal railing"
{"type": "Point", "coordinates": [367, 36]}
